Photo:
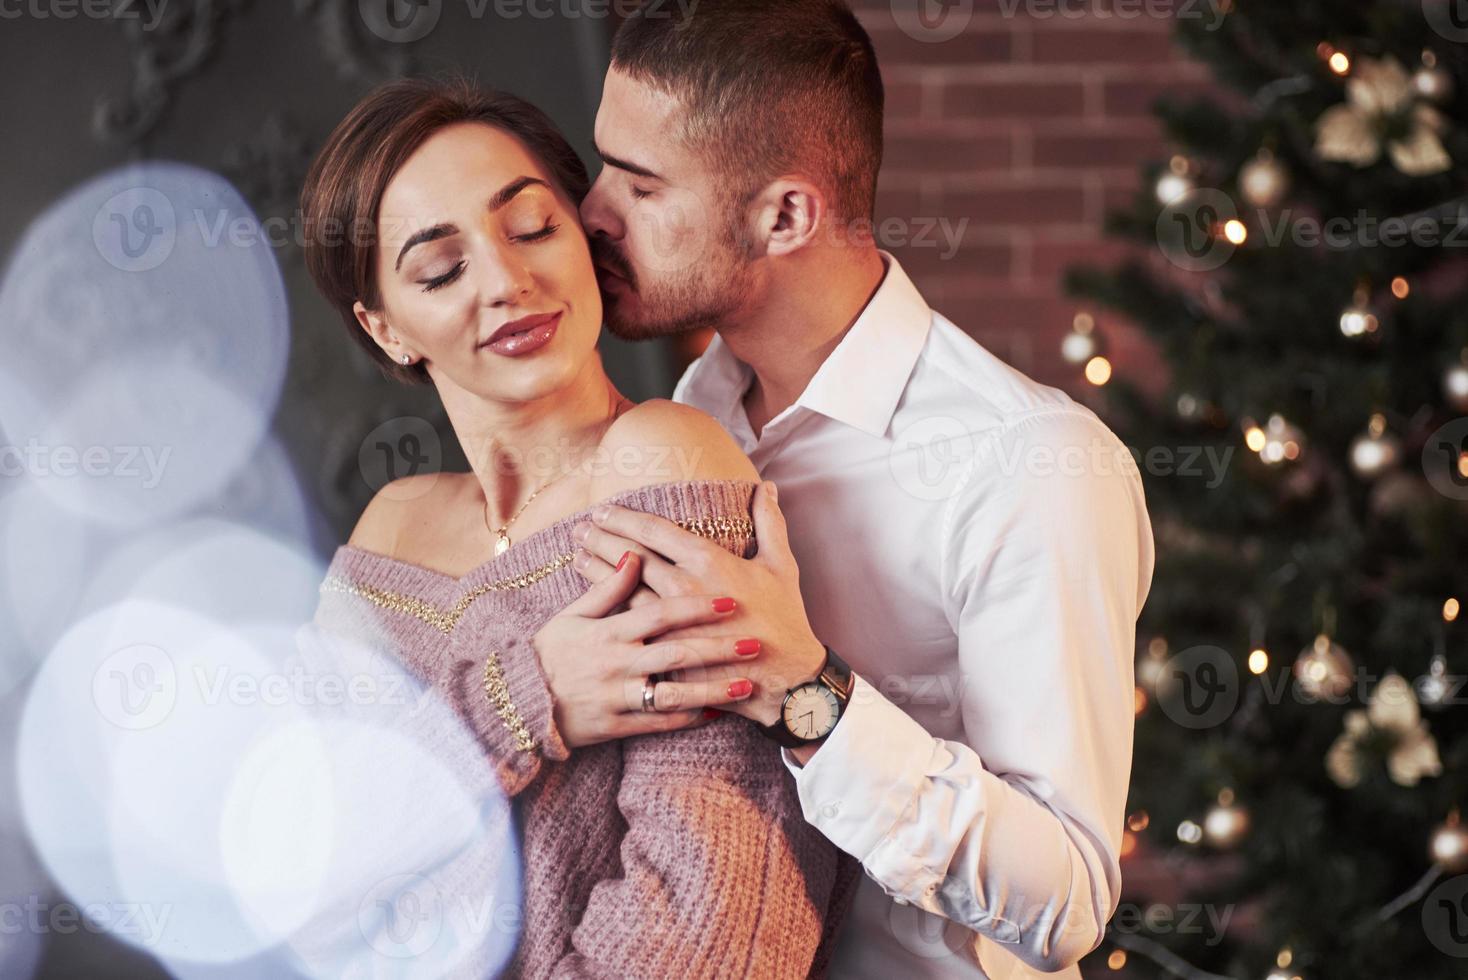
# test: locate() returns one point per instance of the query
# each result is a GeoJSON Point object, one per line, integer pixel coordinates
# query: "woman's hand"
{"type": "Point", "coordinates": [595, 660]}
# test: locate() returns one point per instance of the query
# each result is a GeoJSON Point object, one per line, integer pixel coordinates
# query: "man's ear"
{"type": "Point", "coordinates": [788, 215]}
{"type": "Point", "coordinates": [376, 326]}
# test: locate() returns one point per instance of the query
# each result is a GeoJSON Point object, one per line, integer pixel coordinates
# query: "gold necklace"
{"type": "Point", "coordinates": [501, 537]}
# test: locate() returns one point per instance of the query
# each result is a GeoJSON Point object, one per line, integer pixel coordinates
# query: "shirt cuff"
{"type": "Point", "coordinates": [865, 775]}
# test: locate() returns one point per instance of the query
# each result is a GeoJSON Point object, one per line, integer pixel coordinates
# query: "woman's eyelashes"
{"type": "Point", "coordinates": [438, 282]}
{"type": "Point", "coordinates": [535, 236]}
{"type": "Point", "coordinates": [429, 285]}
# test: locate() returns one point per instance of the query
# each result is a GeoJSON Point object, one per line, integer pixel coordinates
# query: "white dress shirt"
{"type": "Point", "coordinates": [976, 546]}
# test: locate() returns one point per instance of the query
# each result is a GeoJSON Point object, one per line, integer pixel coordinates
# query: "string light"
{"type": "Point", "coordinates": [1258, 661]}
{"type": "Point", "coordinates": [1098, 370]}
{"type": "Point", "coordinates": [1400, 288]}
{"type": "Point", "coordinates": [1450, 609]}
{"type": "Point", "coordinates": [1235, 231]}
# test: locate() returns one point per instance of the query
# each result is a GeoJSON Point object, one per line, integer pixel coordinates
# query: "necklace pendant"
{"type": "Point", "coordinates": [501, 544]}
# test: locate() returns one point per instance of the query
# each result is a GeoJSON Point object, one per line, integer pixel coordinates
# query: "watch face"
{"type": "Point", "coordinates": [811, 711]}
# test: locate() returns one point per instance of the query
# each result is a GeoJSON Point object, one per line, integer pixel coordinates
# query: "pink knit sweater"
{"type": "Point", "coordinates": [680, 855]}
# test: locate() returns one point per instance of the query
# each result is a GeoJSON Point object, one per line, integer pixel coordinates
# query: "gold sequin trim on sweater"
{"type": "Point", "coordinates": [445, 620]}
{"type": "Point", "coordinates": [498, 693]}
{"type": "Point", "coordinates": [496, 690]}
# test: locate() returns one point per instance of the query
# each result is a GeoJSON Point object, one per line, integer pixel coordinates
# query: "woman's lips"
{"type": "Point", "coordinates": [516, 344]}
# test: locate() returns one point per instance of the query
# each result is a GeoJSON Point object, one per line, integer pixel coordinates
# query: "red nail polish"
{"type": "Point", "coordinates": [723, 604]}
{"type": "Point", "coordinates": [740, 689]}
{"type": "Point", "coordinates": [625, 556]}
{"type": "Point", "coordinates": [746, 648]}
{"type": "Point", "coordinates": [709, 714]}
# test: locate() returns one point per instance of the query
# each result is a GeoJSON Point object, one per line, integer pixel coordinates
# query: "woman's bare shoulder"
{"type": "Point", "coordinates": [402, 506]}
{"type": "Point", "coordinates": [662, 441]}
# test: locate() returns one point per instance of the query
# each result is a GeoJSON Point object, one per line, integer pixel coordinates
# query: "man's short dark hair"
{"type": "Point", "coordinates": [769, 87]}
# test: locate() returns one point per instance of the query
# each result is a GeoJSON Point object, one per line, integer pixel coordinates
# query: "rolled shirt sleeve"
{"type": "Point", "coordinates": [1015, 832]}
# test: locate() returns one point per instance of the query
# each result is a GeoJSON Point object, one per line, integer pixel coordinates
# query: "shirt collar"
{"type": "Point", "coordinates": [861, 380]}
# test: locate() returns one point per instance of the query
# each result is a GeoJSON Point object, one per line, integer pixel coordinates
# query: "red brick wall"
{"type": "Point", "coordinates": [1030, 127]}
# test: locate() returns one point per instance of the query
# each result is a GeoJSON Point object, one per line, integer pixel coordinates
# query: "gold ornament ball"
{"type": "Point", "coordinates": [1324, 669]}
{"type": "Point", "coordinates": [1449, 846]}
{"type": "Point", "coordinates": [1263, 180]}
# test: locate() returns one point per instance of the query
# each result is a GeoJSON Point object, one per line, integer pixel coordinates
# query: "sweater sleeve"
{"type": "Point", "coordinates": [493, 679]}
{"type": "Point", "coordinates": [721, 875]}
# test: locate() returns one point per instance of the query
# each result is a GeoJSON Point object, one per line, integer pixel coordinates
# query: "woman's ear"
{"type": "Point", "coordinates": [375, 324]}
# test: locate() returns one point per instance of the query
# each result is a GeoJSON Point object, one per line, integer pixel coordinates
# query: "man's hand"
{"type": "Point", "coordinates": [595, 662]}
{"type": "Point", "coordinates": [677, 563]}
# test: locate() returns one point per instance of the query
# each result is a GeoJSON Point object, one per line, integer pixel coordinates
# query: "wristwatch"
{"type": "Point", "coordinates": [811, 710]}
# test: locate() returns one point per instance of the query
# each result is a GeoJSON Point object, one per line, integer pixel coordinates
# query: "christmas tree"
{"type": "Point", "coordinates": [1302, 740]}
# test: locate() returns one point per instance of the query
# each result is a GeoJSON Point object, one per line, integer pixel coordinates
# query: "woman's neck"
{"type": "Point", "coordinates": [514, 448]}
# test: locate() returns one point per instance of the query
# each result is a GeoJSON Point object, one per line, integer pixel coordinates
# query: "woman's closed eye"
{"type": "Point", "coordinates": [534, 236]}
{"type": "Point", "coordinates": [439, 281]}
{"type": "Point", "coordinates": [434, 282]}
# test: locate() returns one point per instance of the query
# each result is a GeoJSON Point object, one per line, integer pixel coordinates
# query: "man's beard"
{"type": "Point", "coordinates": [706, 295]}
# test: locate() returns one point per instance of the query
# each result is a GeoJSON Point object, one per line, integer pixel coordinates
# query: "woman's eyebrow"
{"type": "Point", "coordinates": [498, 200]}
{"type": "Point", "coordinates": [432, 234]}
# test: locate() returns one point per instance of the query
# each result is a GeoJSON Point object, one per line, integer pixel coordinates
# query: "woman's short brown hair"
{"type": "Point", "coordinates": [344, 187]}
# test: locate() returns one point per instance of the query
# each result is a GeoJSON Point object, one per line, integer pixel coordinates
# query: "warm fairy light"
{"type": "Point", "coordinates": [1157, 647]}
{"type": "Point", "coordinates": [1463, 465]}
{"type": "Point", "coordinates": [1117, 959]}
{"type": "Point", "coordinates": [1339, 63]}
{"type": "Point", "coordinates": [1285, 958]}
{"type": "Point", "coordinates": [1450, 609]}
{"type": "Point", "coordinates": [1400, 288]}
{"type": "Point", "coordinates": [1098, 370]}
{"type": "Point", "coordinates": [1258, 661]}
{"type": "Point", "coordinates": [1189, 832]}
{"type": "Point", "coordinates": [1235, 232]}
{"type": "Point", "coordinates": [1139, 700]}
{"type": "Point", "coordinates": [1128, 843]}
{"type": "Point", "coordinates": [1254, 438]}
{"type": "Point", "coordinates": [1138, 821]}
{"type": "Point", "coordinates": [1356, 321]}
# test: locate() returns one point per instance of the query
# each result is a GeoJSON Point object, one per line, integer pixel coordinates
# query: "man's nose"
{"type": "Point", "coordinates": [597, 217]}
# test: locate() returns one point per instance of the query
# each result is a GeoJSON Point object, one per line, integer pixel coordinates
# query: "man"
{"type": "Point", "coordinates": [973, 545]}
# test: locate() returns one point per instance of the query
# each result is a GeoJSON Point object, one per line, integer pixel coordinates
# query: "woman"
{"type": "Point", "coordinates": [675, 854]}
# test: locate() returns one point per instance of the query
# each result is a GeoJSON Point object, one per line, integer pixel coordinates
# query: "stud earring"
{"type": "Point", "coordinates": [407, 359]}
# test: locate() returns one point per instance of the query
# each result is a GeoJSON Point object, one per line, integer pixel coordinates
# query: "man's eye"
{"type": "Point", "coordinates": [535, 236]}
{"type": "Point", "coordinates": [429, 285]}
{"type": "Point", "coordinates": [639, 193]}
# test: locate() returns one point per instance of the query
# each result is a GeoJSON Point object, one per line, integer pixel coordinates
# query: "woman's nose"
{"type": "Point", "coordinates": [506, 278]}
